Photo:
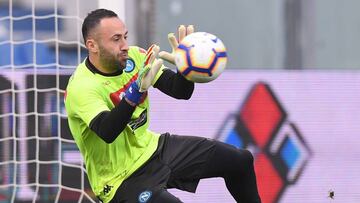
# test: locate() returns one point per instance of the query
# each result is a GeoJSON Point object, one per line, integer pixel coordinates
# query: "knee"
{"type": "Point", "coordinates": [249, 158]}
{"type": "Point", "coordinates": [245, 158]}
{"type": "Point", "coordinates": [232, 159]}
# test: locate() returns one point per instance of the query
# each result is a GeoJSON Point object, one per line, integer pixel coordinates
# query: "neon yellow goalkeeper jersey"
{"type": "Point", "coordinates": [88, 94]}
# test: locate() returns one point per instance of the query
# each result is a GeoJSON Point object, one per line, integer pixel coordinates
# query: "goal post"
{"type": "Point", "coordinates": [40, 46]}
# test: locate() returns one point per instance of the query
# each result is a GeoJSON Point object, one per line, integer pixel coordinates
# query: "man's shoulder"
{"type": "Point", "coordinates": [136, 56]}
{"type": "Point", "coordinates": [137, 53]}
{"type": "Point", "coordinates": [136, 50]}
{"type": "Point", "coordinates": [81, 78]}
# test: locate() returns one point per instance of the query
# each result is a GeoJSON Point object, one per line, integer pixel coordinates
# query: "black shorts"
{"type": "Point", "coordinates": [178, 162]}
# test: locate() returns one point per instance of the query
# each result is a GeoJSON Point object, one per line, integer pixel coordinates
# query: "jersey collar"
{"type": "Point", "coordinates": [94, 70]}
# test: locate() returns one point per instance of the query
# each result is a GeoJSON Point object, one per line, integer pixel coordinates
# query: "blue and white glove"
{"type": "Point", "coordinates": [146, 75]}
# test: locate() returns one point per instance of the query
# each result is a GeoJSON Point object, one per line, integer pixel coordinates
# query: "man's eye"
{"type": "Point", "coordinates": [125, 37]}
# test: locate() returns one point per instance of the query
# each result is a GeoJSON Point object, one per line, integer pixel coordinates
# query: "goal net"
{"type": "Point", "coordinates": [40, 45]}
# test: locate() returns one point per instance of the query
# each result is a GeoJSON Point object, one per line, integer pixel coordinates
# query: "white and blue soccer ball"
{"type": "Point", "coordinates": [201, 57]}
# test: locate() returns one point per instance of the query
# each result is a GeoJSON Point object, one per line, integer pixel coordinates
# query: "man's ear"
{"type": "Point", "coordinates": [91, 45]}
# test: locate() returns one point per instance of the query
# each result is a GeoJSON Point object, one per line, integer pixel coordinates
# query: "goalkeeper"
{"type": "Point", "coordinates": [108, 113]}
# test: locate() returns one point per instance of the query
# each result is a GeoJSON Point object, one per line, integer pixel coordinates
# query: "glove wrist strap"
{"type": "Point", "coordinates": [133, 94]}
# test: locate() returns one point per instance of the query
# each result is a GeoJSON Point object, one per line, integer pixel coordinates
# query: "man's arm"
{"type": "Point", "coordinates": [174, 85]}
{"type": "Point", "coordinates": [109, 124]}
{"type": "Point", "coordinates": [171, 83]}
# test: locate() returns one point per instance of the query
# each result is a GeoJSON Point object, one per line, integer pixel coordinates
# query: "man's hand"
{"type": "Point", "coordinates": [146, 76]}
{"type": "Point", "coordinates": [150, 69]}
{"type": "Point", "coordinates": [174, 43]}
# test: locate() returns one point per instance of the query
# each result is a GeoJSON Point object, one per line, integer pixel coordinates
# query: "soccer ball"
{"type": "Point", "coordinates": [201, 57]}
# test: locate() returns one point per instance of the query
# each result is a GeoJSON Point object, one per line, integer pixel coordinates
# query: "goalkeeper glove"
{"type": "Point", "coordinates": [183, 32]}
{"type": "Point", "coordinates": [146, 75]}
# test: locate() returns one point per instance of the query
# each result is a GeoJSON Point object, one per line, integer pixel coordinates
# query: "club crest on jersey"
{"type": "Point", "coordinates": [130, 65]}
{"type": "Point", "coordinates": [144, 196]}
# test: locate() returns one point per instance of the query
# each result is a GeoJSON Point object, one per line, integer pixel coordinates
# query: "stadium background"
{"type": "Point", "coordinates": [290, 94]}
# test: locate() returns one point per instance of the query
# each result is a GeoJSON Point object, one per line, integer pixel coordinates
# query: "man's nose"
{"type": "Point", "coordinates": [124, 46]}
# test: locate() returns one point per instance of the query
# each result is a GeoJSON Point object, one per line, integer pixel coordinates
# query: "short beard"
{"type": "Point", "coordinates": [109, 61]}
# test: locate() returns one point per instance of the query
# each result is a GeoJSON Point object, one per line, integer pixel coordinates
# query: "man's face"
{"type": "Point", "coordinates": [111, 38]}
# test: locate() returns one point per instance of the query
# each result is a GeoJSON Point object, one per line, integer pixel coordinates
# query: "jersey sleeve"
{"type": "Point", "coordinates": [85, 102]}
